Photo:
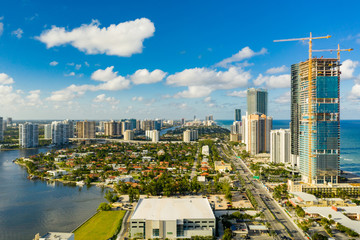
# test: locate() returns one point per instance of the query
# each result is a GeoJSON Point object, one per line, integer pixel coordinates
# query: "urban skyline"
{"type": "Point", "coordinates": [70, 77]}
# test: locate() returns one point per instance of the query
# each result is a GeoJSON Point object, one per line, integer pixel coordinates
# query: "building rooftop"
{"type": "Point", "coordinates": [306, 197]}
{"type": "Point", "coordinates": [172, 209]}
{"type": "Point", "coordinates": [338, 216]}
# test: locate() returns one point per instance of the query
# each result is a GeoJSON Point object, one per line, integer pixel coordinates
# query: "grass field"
{"type": "Point", "coordinates": [100, 227]}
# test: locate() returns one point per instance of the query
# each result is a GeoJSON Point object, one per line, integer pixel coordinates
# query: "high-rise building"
{"type": "Point", "coordinates": [59, 133]}
{"type": "Point", "coordinates": [209, 118]}
{"type": "Point", "coordinates": [70, 124]}
{"type": "Point", "coordinates": [132, 123]}
{"type": "Point", "coordinates": [125, 125]}
{"type": "Point", "coordinates": [85, 129]}
{"type": "Point", "coordinates": [235, 137]}
{"type": "Point", "coordinates": [28, 135]}
{"type": "Point", "coordinates": [280, 146]}
{"type": "Point", "coordinates": [9, 121]}
{"type": "Point", "coordinates": [182, 121]}
{"type": "Point", "coordinates": [256, 133]}
{"type": "Point", "coordinates": [153, 135]}
{"type": "Point", "coordinates": [112, 128]}
{"type": "Point", "coordinates": [236, 128]}
{"type": "Point", "coordinates": [47, 131]}
{"type": "Point", "coordinates": [237, 115]}
{"type": "Point", "coordinates": [1, 129]}
{"type": "Point", "coordinates": [315, 119]}
{"type": "Point", "coordinates": [190, 135]}
{"type": "Point", "coordinates": [128, 135]}
{"type": "Point", "coordinates": [257, 101]}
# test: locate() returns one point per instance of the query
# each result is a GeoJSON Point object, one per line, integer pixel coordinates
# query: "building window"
{"type": "Point", "coordinates": [179, 230]}
{"type": "Point", "coordinates": [156, 232]}
{"type": "Point", "coordinates": [197, 221]}
{"type": "Point", "coordinates": [204, 222]}
{"type": "Point", "coordinates": [211, 221]}
{"type": "Point", "coordinates": [134, 226]}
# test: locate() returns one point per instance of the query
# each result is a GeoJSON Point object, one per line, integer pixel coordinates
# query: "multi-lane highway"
{"type": "Point", "coordinates": [281, 223]}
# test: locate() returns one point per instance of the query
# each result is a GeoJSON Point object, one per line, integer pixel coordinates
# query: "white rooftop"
{"type": "Point", "coordinates": [306, 197]}
{"type": "Point", "coordinates": [338, 216]}
{"type": "Point", "coordinates": [173, 209]}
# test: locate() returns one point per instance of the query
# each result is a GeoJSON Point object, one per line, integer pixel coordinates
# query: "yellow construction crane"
{"type": "Point", "coordinates": [338, 50]}
{"type": "Point", "coordinates": [310, 95]}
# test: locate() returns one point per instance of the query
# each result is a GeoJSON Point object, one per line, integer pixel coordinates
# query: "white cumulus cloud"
{"type": "Point", "coordinates": [355, 92]}
{"type": "Point", "coordinates": [124, 39]}
{"type": "Point", "coordinates": [276, 70]}
{"type": "Point", "coordinates": [143, 76]}
{"type": "Point", "coordinates": [53, 63]}
{"type": "Point", "coordinates": [109, 79]}
{"type": "Point", "coordinates": [202, 81]}
{"type": "Point", "coordinates": [17, 33]}
{"type": "Point", "coordinates": [238, 93]}
{"type": "Point", "coordinates": [284, 98]}
{"type": "Point", "coordinates": [273, 81]}
{"type": "Point", "coordinates": [102, 98]}
{"type": "Point", "coordinates": [137, 98]}
{"type": "Point", "coordinates": [244, 53]}
{"type": "Point", "coordinates": [347, 69]}
{"type": "Point", "coordinates": [6, 79]}
{"type": "Point", "coordinates": [33, 99]}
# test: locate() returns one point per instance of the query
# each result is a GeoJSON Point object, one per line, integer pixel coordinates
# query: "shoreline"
{"type": "Point", "coordinates": [352, 177]}
{"type": "Point", "coordinates": [96, 184]}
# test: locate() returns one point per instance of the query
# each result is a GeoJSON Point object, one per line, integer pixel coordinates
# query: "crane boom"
{"type": "Point", "coordinates": [338, 50]}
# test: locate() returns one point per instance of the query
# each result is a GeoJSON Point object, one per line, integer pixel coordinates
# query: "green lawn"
{"type": "Point", "coordinates": [100, 227]}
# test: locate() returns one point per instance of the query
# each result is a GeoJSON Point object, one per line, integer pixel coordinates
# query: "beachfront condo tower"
{"type": "Point", "coordinates": [315, 119]}
{"type": "Point", "coordinates": [257, 101]}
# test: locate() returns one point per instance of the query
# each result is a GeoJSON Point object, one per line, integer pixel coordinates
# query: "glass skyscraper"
{"type": "Point", "coordinates": [315, 119]}
{"type": "Point", "coordinates": [257, 100]}
{"type": "Point", "coordinates": [237, 115]}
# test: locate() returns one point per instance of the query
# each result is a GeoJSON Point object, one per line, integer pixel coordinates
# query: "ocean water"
{"type": "Point", "coordinates": [349, 141]}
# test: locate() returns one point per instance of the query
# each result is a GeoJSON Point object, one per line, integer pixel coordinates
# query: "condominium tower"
{"type": "Point", "coordinates": [237, 115]}
{"type": "Point", "coordinates": [257, 101]}
{"type": "Point", "coordinates": [315, 119]}
{"type": "Point", "coordinates": [28, 135]}
{"type": "Point", "coordinates": [112, 128]}
{"type": "Point", "coordinates": [190, 135]}
{"type": "Point", "coordinates": [256, 133]}
{"type": "Point", "coordinates": [280, 146]}
{"type": "Point", "coordinates": [59, 133]}
{"type": "Point", "coordinates": [85, 129]}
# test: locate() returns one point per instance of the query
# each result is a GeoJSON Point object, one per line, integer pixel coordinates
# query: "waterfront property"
{"type": "Point", "coordinates": [172, 218]}
{"type": "Point", "coordinates": [315, 119]}
{"type": "Point", "coordinates": [56, 236]}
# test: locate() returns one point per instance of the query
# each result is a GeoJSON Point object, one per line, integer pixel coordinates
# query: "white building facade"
{"type": "Point", "coordinates": [59, 133]}
{"type": "Point", "coordinates": [171, 218]}
{"type": "Point", "coordinates": [28, 135]}
{"type": "Point", "coordinates": [280, 146]}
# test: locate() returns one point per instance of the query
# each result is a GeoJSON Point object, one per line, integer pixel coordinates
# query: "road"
{"type": "Point", "coordinates": [125, 226]}
{"type": "Point", "coordinates": [266, 202]}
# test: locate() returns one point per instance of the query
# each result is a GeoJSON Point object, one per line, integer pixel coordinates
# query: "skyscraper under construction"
{"type": "Point", "coordinates": [315, 119]}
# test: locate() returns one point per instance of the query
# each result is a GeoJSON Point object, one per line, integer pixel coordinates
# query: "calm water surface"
{"type": "Point", "coordinates": [28, 207]}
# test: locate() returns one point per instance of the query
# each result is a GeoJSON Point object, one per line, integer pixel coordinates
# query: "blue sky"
{"type": "Point", "coordinates": [164, 59]}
